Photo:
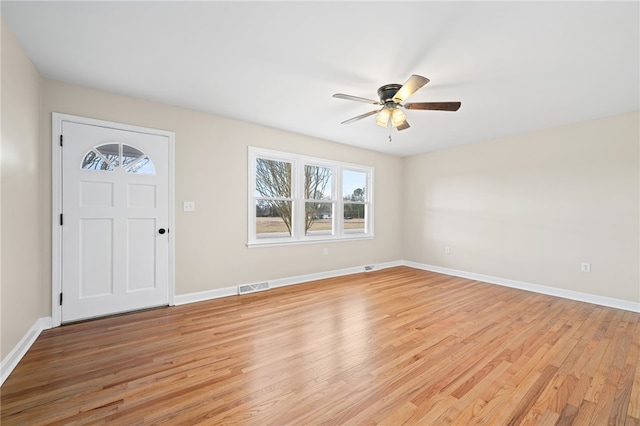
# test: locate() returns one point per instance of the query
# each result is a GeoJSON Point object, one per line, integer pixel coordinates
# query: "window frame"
{"type": "Point", "coordinates": [298, 164]}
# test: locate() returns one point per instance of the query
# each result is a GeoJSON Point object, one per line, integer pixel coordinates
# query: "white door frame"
{"type": "Point", "coordinates": [56, 202]}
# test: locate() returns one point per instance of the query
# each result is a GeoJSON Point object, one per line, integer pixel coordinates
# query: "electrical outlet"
{"type": "Point", "coordinates": [585, 267]}
{"type": "Point", "coordinates": [325, 251]}
{"type": "Point", "coordinates": [189, 206]}
{"type": "Point", "coordinates": [447, 250]}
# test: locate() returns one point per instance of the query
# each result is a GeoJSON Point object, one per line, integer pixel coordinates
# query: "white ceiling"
{"type": "Point", "coordinates": [515, 66]}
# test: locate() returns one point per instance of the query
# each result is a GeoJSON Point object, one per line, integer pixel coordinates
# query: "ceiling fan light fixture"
{"type": "Point", "coordinates": [382, 119]}
{"type": "Point", "coordinates": [397, 117]}
{"type": "Point", "coordinates": [392, 100]}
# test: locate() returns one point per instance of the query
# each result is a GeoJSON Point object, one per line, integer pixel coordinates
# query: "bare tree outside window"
{"type": "Point", "coordinates": [316, 180]}
{"type": "Point", "coordinates": [93, 161]}
{"type": "Point", "coordinates": [273, 182]}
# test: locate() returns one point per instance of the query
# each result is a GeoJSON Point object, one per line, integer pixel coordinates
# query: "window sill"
{"type": "Point", "coordinates": [277, 243]}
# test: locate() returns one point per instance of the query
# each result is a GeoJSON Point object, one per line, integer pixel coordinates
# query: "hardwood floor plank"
{"type": "Point", "coordinates": [391, 347]}
{"type": "Point", "coordinates": [545, 399]}
{"type": "Point", "coordinates": [548, 418]}
{"type": "Point", "coordinates": [622, 395]}
{"type": "Point", "coordinates": [533, 392]}
{"type": "Point", "coordinates": [567, 416]}
{"type": "Point", "coordinates": [634, 398]}
{"type": "Point", "coordinates": [436, 407]}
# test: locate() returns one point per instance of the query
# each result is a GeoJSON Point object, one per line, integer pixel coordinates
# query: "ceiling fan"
{"type": "Point", "coordinates": [392, 97]}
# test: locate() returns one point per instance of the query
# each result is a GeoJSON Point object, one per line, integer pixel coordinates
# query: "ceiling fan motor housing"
{"type": "Point", "coordinates": [387, 92]}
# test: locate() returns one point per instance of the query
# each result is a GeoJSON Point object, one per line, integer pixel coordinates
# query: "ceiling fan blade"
{"type": "Point", "coordinates": [412, 85]}
{"type": "Point", "coordinates": [404, 125]}
{"type": "Point", "coordinates": [438, 106]}
{"type": "Point", "coordinates": [356, 98]}
{"type": "Point", "coordinates": [360, 117]}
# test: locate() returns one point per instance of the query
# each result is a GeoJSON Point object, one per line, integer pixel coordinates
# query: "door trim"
{"type": "Point", "coordinates": [56, 202]}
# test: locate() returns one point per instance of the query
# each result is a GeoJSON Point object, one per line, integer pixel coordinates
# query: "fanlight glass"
{"type": "Point", "coordinates": [111, 156]}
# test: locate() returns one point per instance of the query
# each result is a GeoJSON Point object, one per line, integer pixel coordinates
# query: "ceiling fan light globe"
{"type": "Point", "coordinates": [397, 117]}
{"type": "Point", "coordinates": [382, 119]}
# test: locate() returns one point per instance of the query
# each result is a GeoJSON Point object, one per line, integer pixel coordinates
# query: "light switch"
{"type": "Point", "coordinates": [189, 206]}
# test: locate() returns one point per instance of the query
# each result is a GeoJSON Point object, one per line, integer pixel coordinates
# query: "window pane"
{"type": "Point", "coordinates": [111, 152]}
{"type": "Point", "coordinates": [273, 219]}
{"type": "Point", "coordinates": [319, 219]}
{"type": "Point", "coordinates": [318, 183]}
{"type": "Point", "coordinates": [273, 178]}
{"type": "Point", "coordinates": [354, 185]}
{"type": "Point", "coordinates": [93, 161]}
{"type": "Point", "coordinates": [143, 167]}
{"type": "Point", "coordinates": [354, 218]}
{"type": "Point", "coordinates": [130, 154]}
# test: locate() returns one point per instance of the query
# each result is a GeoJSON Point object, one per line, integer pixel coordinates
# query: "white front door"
{"type": "Point", "coordinates": [115, 220]}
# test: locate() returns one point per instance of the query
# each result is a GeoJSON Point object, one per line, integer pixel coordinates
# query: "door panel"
{"type": "Point", "coordinates": [115, 198]}
{"type": "Point", "coordinates": [142, 254]}
{"type": "Point", "coordinates": [141, 195]}
{"type": "Point", "coordinates": [96, 260]}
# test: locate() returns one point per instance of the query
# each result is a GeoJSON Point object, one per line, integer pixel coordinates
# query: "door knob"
{"type": "Point", "coordinates": [161, 231]}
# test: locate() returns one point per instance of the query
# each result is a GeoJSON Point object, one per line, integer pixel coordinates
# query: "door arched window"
{"type": "Point", "coordinates": [110, 156]}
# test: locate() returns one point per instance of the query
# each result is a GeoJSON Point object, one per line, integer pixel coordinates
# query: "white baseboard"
{"type": "Point", "coordinates": [182, 299]}
{"type": "Point", "coordinates": [279, 282]}
{"type": "Point", "coordinates": [13, 358]}
{"type": "Point", "coordinates": [536, 288]}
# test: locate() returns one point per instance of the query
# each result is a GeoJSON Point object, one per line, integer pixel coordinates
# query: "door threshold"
{"type": "Point", "coordinates": [119, 314]}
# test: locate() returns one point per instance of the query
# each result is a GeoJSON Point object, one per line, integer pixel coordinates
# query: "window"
{"type": "Point", "coordinates": [298, 199]}
{"type": "Point", "coordinates": [354, 189]}
{"type": "Point", "coordinates": [108, 157]}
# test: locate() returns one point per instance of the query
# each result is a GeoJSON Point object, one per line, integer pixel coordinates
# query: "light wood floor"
{"type": "Point", "coordinates": [398, 346]}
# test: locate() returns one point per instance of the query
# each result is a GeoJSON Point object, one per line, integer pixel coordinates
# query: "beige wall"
{"type": "Point", "coordinates": [533, 207]}
{"type": "Point", "coordinates": [22, 204]}
{"type": "Point", "coordinates": [211, 169]}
